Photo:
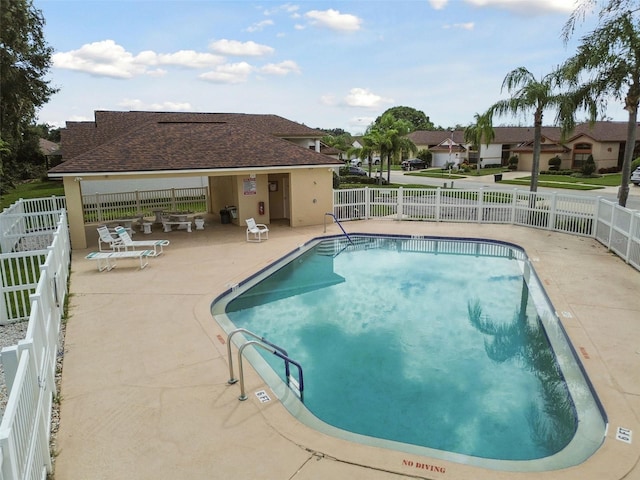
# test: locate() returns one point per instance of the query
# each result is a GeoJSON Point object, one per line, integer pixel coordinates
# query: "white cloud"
{"type": "Point", "coordinates": [282, 68]}
{"type": "Point", "coordinates": [240, 49]}
{"type": "Point", "coordinates": [438, 4]}
{"type": "Point", "coordinates": [527, 6]}
{"type": "Point", "coordinates": [157, 73]}
{"type": "Point", "coordinates": [334, 20]}
{"type": "Point", "coordinates": [520, 6]}
{"type": "Point", "coordinates": [184, 58]}
{"type": "Point", "coordinates": [108, 59]}
{"type": "Point", "coordinates": [259, 26]}
{"type": "Point", "coordinates": [229, 73]}
{"type": "Point", "coordinates": [461, 26]}
{"type": "Point", "coordinates": [135, 104]}
{"type": "Point", "coordinates": [329, 99]}
{"type": "Point", "coordinates": [287, 8]}
{"type": "Point", "coordinates": [362, 97]}
{"type": "Point", "coordinates": [105, 58]}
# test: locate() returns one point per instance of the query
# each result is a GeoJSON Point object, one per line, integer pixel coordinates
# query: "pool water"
{"type": "Point", "coordinates": [424, 342]}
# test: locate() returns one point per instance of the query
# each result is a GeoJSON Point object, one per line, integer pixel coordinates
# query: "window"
{"type": "Point", "coordinates": [581, 152]}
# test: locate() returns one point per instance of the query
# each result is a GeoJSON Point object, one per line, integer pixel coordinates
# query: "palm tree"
{"type": "Point", "coordinates": [340, 142]}
{"type": "Point", "coordinates": [529, 93]}
{"type": "Point", "coordinates": [366, 152]}
{"type": "Point", "coordinates": [609, 57]}
{"type": "Point", "coordinates": [480, 132]}
{"type": "Point", "coordinates": [393, 141]}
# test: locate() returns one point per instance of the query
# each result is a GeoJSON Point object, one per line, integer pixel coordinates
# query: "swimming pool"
{"type": "Point", "coordinates": [447, 348]}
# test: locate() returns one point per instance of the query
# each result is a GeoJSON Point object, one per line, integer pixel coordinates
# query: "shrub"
{"type": "Point", "coordinates": [513, 162]}
{"type": "Point", "coordinates": [559, 172]}
{"type": "Point", "coordinates": [589, 166]}
{"type": "Point", "coordinates": [635, 164]}
{"type": "Point", "coordinates": [351, 179]}
{"type": "Point", "coordinates": [603, 170]}
{"type": "Point", "coordinates": [554, 163]}
{"type": "Point", "coordinates": [492, 165]}
{"type": "Point", "coordinates": [336, 181]}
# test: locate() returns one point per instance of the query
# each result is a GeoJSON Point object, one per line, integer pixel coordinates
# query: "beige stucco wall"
{"type": "Point", "coordinates": [221, 192]}
{"type": "Point", "coordinates": [247, 199]}
{"type": "Point", "coordinates": [605, 154]}
{"type": "Point", "coordinates": [311, 195]}
{"type": "Point", "coordinates": [75, 216]}
{"type": "Point", "coordinates": [304, 196]}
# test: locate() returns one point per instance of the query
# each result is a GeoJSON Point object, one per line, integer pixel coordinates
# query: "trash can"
{"type": "Point", "coordinates": [225, 216]}
{"type": "Point", "coordinates": [497, 177]}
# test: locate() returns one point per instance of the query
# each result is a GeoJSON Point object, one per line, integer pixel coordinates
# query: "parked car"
{"type": "Point", "coordinates": [356, 162]}
{"type": "Point", "coordinates": [351, 170]}
{"type": "Point", "coordinates": [635, 177]}
{"type": "Point", "coordinates": [413, 164]}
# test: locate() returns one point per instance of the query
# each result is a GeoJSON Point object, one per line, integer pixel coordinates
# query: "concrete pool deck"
{"type": "Point", "coordinates": [144, 384]}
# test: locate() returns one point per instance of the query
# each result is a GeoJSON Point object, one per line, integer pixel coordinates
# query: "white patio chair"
{"type": "Point", "coordinates": [106, 237]}
{"type": "Point", "coordinates": [255, 231]}
{"type": "Point", "coordinates": [127, 243]}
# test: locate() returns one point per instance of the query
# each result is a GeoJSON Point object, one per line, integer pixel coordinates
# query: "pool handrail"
{"type": "Point", "coordinates": [233, 380]}
{"type": "Point", "coordinates": [339, 224]}
{"type": "Point", "coordinates": [278, 353]}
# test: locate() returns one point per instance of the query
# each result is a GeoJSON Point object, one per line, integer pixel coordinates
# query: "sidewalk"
{"type": "Point", "coordinates": [144, 385]}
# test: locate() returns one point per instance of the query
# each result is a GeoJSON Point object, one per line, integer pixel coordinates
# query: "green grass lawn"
{"type": "Point", "coordinates": [33, 189]}
{"type": "Point", "coordinates": [525, 181]}
{"type": "Point", "coordinates": [608, 180]}
{"type": "Point", "coordinates": [440, 173]}
{"type": "Point", "coordinates": [570, 182]}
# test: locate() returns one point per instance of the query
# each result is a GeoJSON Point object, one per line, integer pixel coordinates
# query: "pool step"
{"type": "Point", "coordinates": [294, 385]}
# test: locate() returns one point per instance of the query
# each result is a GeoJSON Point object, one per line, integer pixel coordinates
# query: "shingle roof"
{"type": "Point", "coordinates": [80, 137]}
{"type": "Point", "coordinates": [187, 145]}
{"type": "Point", "coordinates": [599, 131]}
{"type": "Point", "coordinates": [47, 147]}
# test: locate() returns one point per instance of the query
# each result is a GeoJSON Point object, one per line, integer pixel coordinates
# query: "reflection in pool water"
{"type": "Point", "coordinates": [425, 342]}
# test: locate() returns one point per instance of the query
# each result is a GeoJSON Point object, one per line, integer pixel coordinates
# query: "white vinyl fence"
{"type": "Point", "coordinates": [615, 227]}
{"type": "Point", "coordinates": [29, 367]}
{"type": "Point", "coordinates": [104, 207]}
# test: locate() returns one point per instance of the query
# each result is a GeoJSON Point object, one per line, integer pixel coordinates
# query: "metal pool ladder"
{"type": "Point", "coordinates": [296, 385]}
{"type": "Point", "coordinates": [339, 224]}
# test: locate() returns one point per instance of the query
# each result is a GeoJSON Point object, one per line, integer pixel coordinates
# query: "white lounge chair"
{"type": "Point", "coordinates": [106, 237]}
{"type": "Point", "coordinates": [107, 260]}
{"type": "Point", "coordinates": [128, 243]}
{"type": "Point", "coordinates": [255, 231]}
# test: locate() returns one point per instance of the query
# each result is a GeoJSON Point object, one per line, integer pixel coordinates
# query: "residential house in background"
{"type": "Point", "coordinates": [604, 140]}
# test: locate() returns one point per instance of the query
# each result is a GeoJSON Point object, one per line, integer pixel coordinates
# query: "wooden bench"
{"type": "Point", "coordinates": [107, 260]}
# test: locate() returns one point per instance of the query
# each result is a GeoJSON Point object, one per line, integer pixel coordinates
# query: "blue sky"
{"type": "Point", "coordinates": [325, 64]}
